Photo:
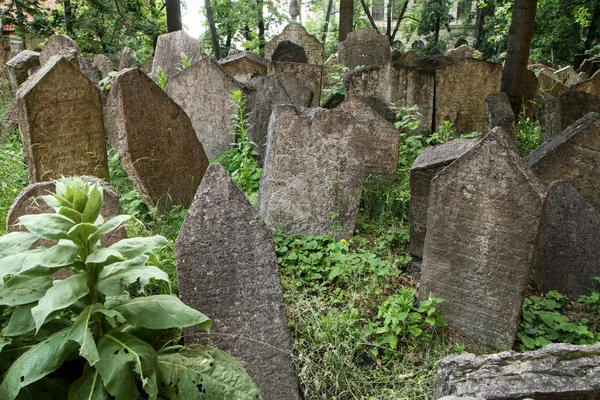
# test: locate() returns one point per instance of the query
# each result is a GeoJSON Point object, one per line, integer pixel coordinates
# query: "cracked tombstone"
{"type": "Point", "coordinates": [298, 35]}
{"type": "Point", "coordinates": [168, 52]}
{"type": "Point", "coordinates": [482, 225]}
{"type": "Point", "coordinates": [227, 267]}
{"type": "Point", "coordinates": [563, 110]}
{"type": "Point", "coordinates": [364, 47]}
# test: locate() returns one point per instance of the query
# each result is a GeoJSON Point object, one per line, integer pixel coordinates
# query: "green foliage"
{"type": "Point", "coordinates": [104, 83]}
{"type": "Point", "coordinates": [333, 82]}
{"type": "Point", "coordinates": [185, 61]}
{"type": "Point", "coordinates": [434, 14]}
{"type": "Point", "coordinates": [591, 308]}
{"type": "Point", "coordinates": [162, 79]}
{"type": "Point", "coordinates": [14, 175]}
{"type": "Point", "coordinates": [528, 134]}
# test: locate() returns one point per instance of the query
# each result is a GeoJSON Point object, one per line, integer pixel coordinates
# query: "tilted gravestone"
{"type": "Point", "coordinates": [548, 83]}
{"type": "Point", "coordinates": [591, 85]}
{"type": "Point", "coordinates": [287, 51]}
{"type": "Point", "coordinates": [500, 113]}
{"type": "Point", "coordinates": [298, 35]}
{"type": "Point", "coordinates": [168, 52]}
{"type": "Point", "coordinates": [17, 68]}
{"type": "Point", "coordinates": [408, 57]}
{"type": "Point", "coordinates": [567, 76]}
{"type": "Point", "coordinates": [568, 252]}
{"type": "Point", "coordinates": [313, 172]}
{"type": "Point", "coordinates": [204, 92]}
{"type": "Point", "coordinates": [127, 59]}
{"type": "Point", "coordinates": [244, 66]}
{"type": "Point", "coordinates": [17, 45]}
{"type": "Point", "coordinates": [563, 110]}
{"type": "Point", "coordinates": [460, 91]}
{"type": "Point", "coordinates": [157, 144]}
{"type": "Point", "coordinates": [104, 64]}
{"type": "Point", "coordinates": [396, 83]}
{"type": "Point", "coordinates": [60, 45]}
{"type": "Point", "coordinates": [364, 47]}
{"type": "Point", "coordinates": [60, 118]}
{"type": "Point", "coordinates": [424, 169]}
{"type": "Point", "coordinates": [461, 52]}
{"type": "Point", "coordinates": [309, 74]}
{"type": "Point", "coordinates": [482, 225]}
{"type": "Point", "coordinates": [227, 268]}
{"type": "Point", "coordinates": [572, 156]}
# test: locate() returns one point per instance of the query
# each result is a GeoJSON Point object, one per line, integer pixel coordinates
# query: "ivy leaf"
{"type": "Point", "coordinates": [47, 226]}
{"type": "Point", "coordinates": [23, 290]}
{"type": "Point", "coordinates": [93, 205]}
{"type": "Point", "coordinates": [16, 242]}
{"type": "Point", "coordinates": [134, 247]}
{"type": "Point", "coordinates": [21, 321]}
{"type": "Point", "coordinates": [61, 295]}
{"type": "Point", "coordinates": [113, 276]}
{"type": "Point", "coordinates": [108, 227]}
{"type": "Point", "coordinates": [89, 387]}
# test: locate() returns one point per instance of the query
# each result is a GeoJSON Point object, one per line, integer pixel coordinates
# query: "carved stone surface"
{"type": "Point", "coordinates": [17, 68]}
{"type": "Point", "coordinates": [157, 144]}
{"type": "Point", "coordinates": [310, 75]}
{"type": "Point", "coordinates": [244, 66]}
{"type": "Point", "coordinates": [563, 110]}
{"type": "Point", "coordinates": [60, 118]}
{"type": "Point", "coordinates": [499, 113]}
{"type": "Point", "coordinates": [204, 92]}
{"type": "Point", "coordinates": [287, 51]}
{"type": "Point", "coordinates": [59, 45]}
{"type": "Point", "coordinates": [168, 52]}
{"type": "Point", "coordinates": [227, 268]}
{"type": "Point", "coordinates": [591, 85]}
{"type": "Point", "coordinates": [482, 225]}
{"type": "Point", "coordinates": [297, 34]}
{"type": "Point", "coordinates": [408, 57]}
{"type": "Point", "coordinates": [572, 156]}
{"type": "Point", "coordinates": [364, 47]}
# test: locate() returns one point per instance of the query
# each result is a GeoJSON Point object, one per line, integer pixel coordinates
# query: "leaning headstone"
{"type": "Point", "coordinates": [89, 69]}
{"type": "Point", "coordinates": [227, 268]}
{"type": "Point", "coordinates": [298, 35]}
{"type": "Point", "coordinates": [244, 66]}
{"type": "Point", "coordinates": [557, 372]}
{"type": "Point", "coordinates": [364, 47]}
{"type": "Point", "coordinates": [334, 100]}
{"type": "Point", "coordinates": [482, 225]}
{"type": "Point", "coordinates": [424, 169]}
{"type": "Point", "coordinates": [60, 45]}
{"type": "Point", "coordinates": [16, 68]}
{"type": "Point", "coordinates": [157, 144]}
{"type": "Point", "coordinates": [461, 52]}
{"type": "Point", "coordinates": [548, 83]}
{"type": "Point", "coordinates": [204, 92]}
{"type": "Point", "coordinates": [310, 75]}
{"type": "Point", "coordinates": [460, 91]}
{"type": "Point", "coordinates": [568, 254]}
{"type": "Point", "coordinates": [104, 64]}
{"type": "Point", "coordinates": [127, 59]}
{"type": "Point", "coordinates": [500, 113]}
{"type": "Point", "coordinates": [147, 65]}
{"type": "Point", "coordinates": [567, 76]}
{"type": "Point", "coordinates": [313, 173]}
{"type": "Point", "coordinates": [563, 110]}
{"type": "Point", "coordinates": [287, 51]}
{"type": "Point", "coordinates": [17, 45]}
{"type": "Point", "coordinates": [168, 52]}
{"type": "Point", "coordinates": [572, 156]}
{"type": "Point", "coordinates": [408, 57]}
{"type": "Point", "coordinates": [591, 85]}
{"type": "Point", "coordinates": [60, 118]}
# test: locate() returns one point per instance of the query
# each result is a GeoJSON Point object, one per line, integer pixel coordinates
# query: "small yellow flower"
{"type": "Point", "coordinates": [343, 241]}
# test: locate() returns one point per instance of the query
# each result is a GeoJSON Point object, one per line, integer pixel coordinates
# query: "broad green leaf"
{"type": "Point", "coordinates": [23, 290]}
{"type": "Point", "coordinates": [161, 312]}
{"type": "Point", "coordinates": [39, 260]}
{"type": "Point", "coordinates": [4, 341]}
{"type": "Point", "coordinates": [89, 387]}
{"type": "Point", "coordinates": [123, 358]}
{"type": "Point", "coordinates": [134, 247]}
{"type": "Point", "coordinates": [115, 275]}
{"type": "Point", "coordinates": [39, 361]}
{"type": "Point", "coordinates": [80, 232]}
{"type": "Point", "coordinates": [46, 388]}
{"type": "Point", "coordinates": [68, 212]}
{"type": "Point", "coordinates": [47, 226]}
{"type": "Point", "coordinates": [21, 321]}
{"type": "Point", "coordinates": [80, 199]}
{"type": "Point", "coordinates": [108, 227]}
{"type": "Point", "coordinates": [102, 255]}
{"type": "Point", "coordinates": [16, 242]}
{"type": "Point", "coordinates": [204, 373]}
{"type": "Point", "coordinates": [93, 206]}
{"type": "Point", "coordinates": [61, 295]}
{"type": "Point", "coordinates": [54, 202]}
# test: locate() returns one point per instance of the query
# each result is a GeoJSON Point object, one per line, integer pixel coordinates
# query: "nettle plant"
{"type": "Point", "coordinates": [88, 336]}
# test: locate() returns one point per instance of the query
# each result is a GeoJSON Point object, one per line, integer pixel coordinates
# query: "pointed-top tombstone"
{"type": "Point", "coordinates": [298, 35]}
{"type": "Point", "coordinates": [60, 45]}
{"type": "Point", "coordinates": [168, 52]}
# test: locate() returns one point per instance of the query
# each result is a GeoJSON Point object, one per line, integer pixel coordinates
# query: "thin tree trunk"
{"type": "Point", "coordinates": [346, 18]}
{"type": "Point", "coordinates": [261, 26]}
{"type": "Point", "coordinates": [520, 36]}
{"type": "Point", "coordinates": [68, 17]}
{"type": "Point", "coordinates": [400, 18]}
{"type": "Point", "coordinates": [388, 25]}
{"type": "Point", "coordinates": [327, 18]}
{"type": "Point", "coordinates": [369, 16]}
{"type": "Point", "coordinates": [173, 15]}
{"type": "Point", "coordinates": [479, 19]}
{"type": "Point", "coordinates": [593, 30]}
{"type": "Point", "coordinates": [213, 29]}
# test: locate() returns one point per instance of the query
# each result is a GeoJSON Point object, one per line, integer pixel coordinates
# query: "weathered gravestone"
{"type": "Point", "coordinates": [396, 83]}
{"type": "Point", "coordinates": [17, 68]}
{"type": "Point", "coordinates": [60, 45]}
{"type": "Point", "coordinates": [244, 66]}
{"type": "Point", "coordinates": [266, 92]}
{"type": "Point", "coordinates": [314, 171]}
{"type": "Point", "coordinates": [499, 113]}
{"type": "Point", "coordinates": [424, 169]}
{"type": "Point", "coordinates": [309, 74]}
{"type": "Point", "coordinates": [568, 252]}
{"type": "Point", "coordinates": [591, 85]}
{"type": "Point", "coordinates": [204, 92]}
{"type": "Point", "coordinates": [157, 144]}
{"type": "Point", "coordinates": [460, 91]}
{"type": "Point", "coordinates": [60, 118]}
{"type": "Point", "coordinates": [227, 268]}
{"type": "Point", "coordinates": [17, 45]}
{"type": "Point", "coordinates": [431, 62]}
{"type": "Point", "coordinates": [364, 47]}
{"type": "Point", "coordinates": [563, 110]}
{"type": "Point", "coordinates": [104, 64]}
{"type": "Point", "coordinates": [548, 83]}
{"type": "Point", "coordinates": [572, 156]}
{"type": "Point", "coordinates": [287, 51]}
{"type": "Point", "coordinates": [298, 35]}
{"type": "Point", "coordinates": [147, 65]}
{"type": "Point", "coordinates": [482, 225]}
{"type": "Point", "coordinates": [127, 59]}
{"type": "Point", "coordinates": [461, 52]}
{"type": "Point", "coordinates": [567, 76]}
{"type": "Point", "coordinates": [168, 52]}
{"type": "Point", "coordinates": [408, 57]}
{"type": "Point", "coordinates": [10, 122]}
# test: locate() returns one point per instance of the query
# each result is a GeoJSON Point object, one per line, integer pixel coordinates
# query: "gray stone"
{"type": "Point", "coordinates": [287, 51]}
{"type": "Point", "coordinates": [310, 75]}
{"type": "Point", "coordinates": [313, 170]}
{"type": "Point", "coordinates": [461, 52]}
{"type": "Point", "coordinates": [157, 144]}
{"type": "Point", "coordinates": [334, 100]}
{"type": "Point", "coordinates": [462, 398]}
{"type": "Point", "coordinates": [548, 83]}
{"type": "Point", "coordinates": [431, 62]}
{"type": "Point", "coordinates": [10, 122]}
{"type": "Point", "coordinates": [17, 45]}
{"type": "Point", "coordinates": [364, 47]}
{"type": "Point", "coordinates": [66, 138]}
{"type": "Point", "coordinates": [563, 110]}
{"type": "Point", "coordinates": [16, 68]}
{"type": "Point", "coordinates": [482, 225]}
{"type": "Point", "coordinates": [60, 45]}
{"type": "Point", "coordinates": [499, 113]}
{"type": "Point", "coordinates": [591, 85]}
{"type": "Point", "coordinates": [556, 372]}
{"type": "Point", "coordinates": [424, 169]}
{"type": "Point", "coordinates": [104, 64]}
{"type": "Point", "coordinates": [567, 76]}
{"type": "Point", "coordinates": [572, 156]}
{"type": "Point", "coordinates": [127, 59]}
{"type": "Point", "coordinates": [168, 52]}
{"type": "Point", "coordinates": [568, 252]}
{"type": "Point", "coordinates": [146, 66]}
{"type": "Point", "coordinates": [89, 69]}
{"type": "Point", "coordinates": [244, 66]}
{"type": "Point", "coordinates": [398, 84]}
{"type": "Point", "coordinates": [227, 268]}
{"type": "Point", "coordinates": [204, 92]}
{"type": "Point", "coordinates": [396, 54]}
{"type": "Point", "coordinates": [297, 34]}
{"type": "Point", "coordinates": [409, 57]}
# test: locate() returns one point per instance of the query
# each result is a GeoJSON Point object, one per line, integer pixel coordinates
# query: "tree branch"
{"type": "Point", "coordinates": [364, 6]}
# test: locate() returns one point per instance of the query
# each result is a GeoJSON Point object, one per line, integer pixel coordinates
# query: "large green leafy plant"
{"type": "Point", "coordinates": [87, 336]}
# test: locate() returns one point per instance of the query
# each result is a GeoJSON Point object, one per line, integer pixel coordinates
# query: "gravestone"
{"type": "Point", "coordinates": [499, 113]}
{"type": "Point", "coordinates": [266, 92]}
{"type": "Point", "coordinates": [548, 83]}
{"type": "Point", "coordinates": [89, 69]}
{"type": "Point", "coordinates": [298, 35]}
{"type": "Point", "coordinates": [364, 47]}
{"type": "Point", "coordinates": [568, 251]}
{"type": "Point", "coordinates": [244, 66]}
{"type": "Point", "coordinates": [204, 92]}
{"type": "Point", "coordinates": [408, 57]}
{"type": "Point", "coordinates": [461, 52]}
{"type": "Point", "coordinates": [287, 51]}
{"type": "Point", "coordinates": [563, 110]}
{"type": "Point", "coordinates": [104, 64]}
{"type": "Point", "coordinates": [460, 92]}
{"type": "Point", "coordinates": [146, 66]}
{"type": "Point", "coordinates": [10, 122]}
{"type": "Point", "coordinates": [396, 54]}
{"type": "Point", "coordinates": [127, 59]}
{"type": "Point", "coordinates": [572, 156]}
{"type": "Point", "coordinates": [431, 62]}
{"type": "Point", "coordinates": [424, 169]}
{"type": "Point", "coordinates": [227, 268]}
{"type": "Point", "coordinates": [396, 83]}
{"type": "Point", "coordinates": [168, 52]}
{"type": "Point", "coordinates": [482, 225]}
{"type": "Point", "coordinates": [157, 144]}
{"type": "Point", "coordinates": [313, 173]}
{"type": "Point", "coordinates": [567, 76]}
{"type": "Point", "coordinates": [60, 45]}
{"type": "Point", "coordinates": [16, 68]}
{"type": "Point", "coordinates": [591, 85]}
{"type": "Point", "coordinates": [17, 45]}
{"type": "Point", "coordinates": [60, 118]}
{"type": "Point", "coordinates": [310, 75]}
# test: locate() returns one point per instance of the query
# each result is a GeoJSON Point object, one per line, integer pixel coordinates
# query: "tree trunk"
{"type": "Point", "coordinates": [593, 30]}
{"type": "Point", "coordinates": [346, 18]}
{"type": "Point", "coordinates": [327, 18]}
{"type": "Point", "coordinates": [173, 15]}
{"type": "Point", "coordinates": [388, 26]}
{"type": "Point", "coordinates": [479, 19]}
{"type": "Point", "coordinates": [213, 29]}
{"type": "Point", "coordinates": [69, 18]}
{"type": "Point", "coordinates": [520, 36]}
{"type": "Point", "coordinates": [400, 18]}
{"type": "Point", "coordinates": [261, 27]}
{"type": "Point", "coordinates": [369, 16]}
